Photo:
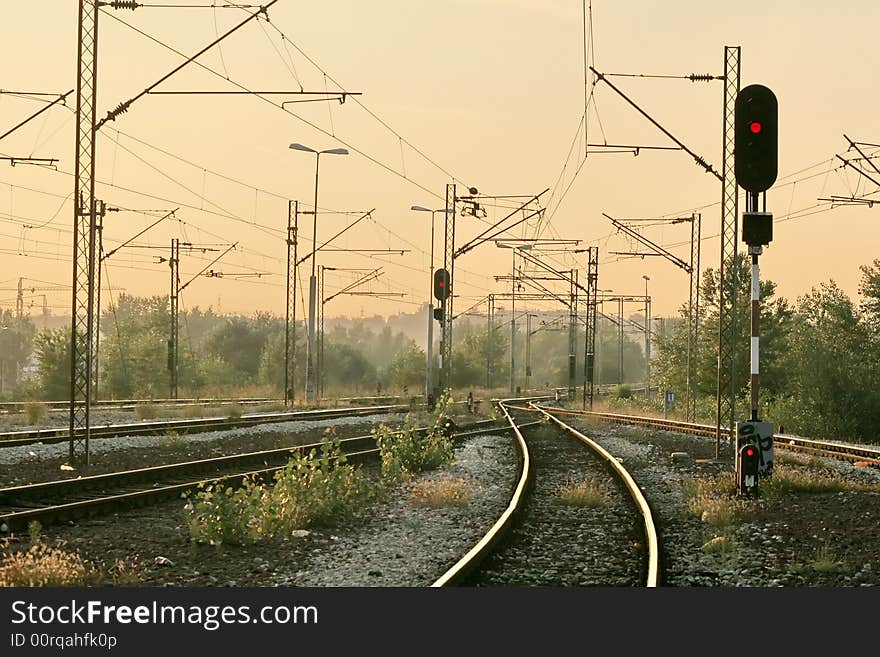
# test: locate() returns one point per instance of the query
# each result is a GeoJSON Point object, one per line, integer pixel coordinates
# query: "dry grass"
{"type": "Point", "coordinates": [718, 545]}
{"type": "Point", "coordinates": [587, 493]}
{"type": "Point", "coordinates": [797, 481]}
{"type": "Point", "coordinates": [36, 412]}
{"type": "Point", "coordinates": [126, 572]}
{"type": "Point", "coordinates": [42, 565]}
{"type": "Point", "coordinates": [146, 411]}
{"type": "Point", "coordinates": [440, 492]}
{"type": "Point", "coordinates": [710, 499]}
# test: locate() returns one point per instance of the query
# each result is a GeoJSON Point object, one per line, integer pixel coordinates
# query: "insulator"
{"type": "Point", "coordinates": [124, 4]}
{"type": "Point", "coordinates": [701, 77]}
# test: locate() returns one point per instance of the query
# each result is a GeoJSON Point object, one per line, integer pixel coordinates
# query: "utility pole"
{"type": "Point", "coordinates": [647, 340]}
{"type": "Point", "coordinates": [528, 351]}
{"type": "Point", "coordinates": [513, 321]}
{"type": "Point", "coordinates": [82, 313]}
{"type": "Point", "coordinates": [620, 341]}
{"type": "Point", "coordinates": [320, 387]}
{"type": "Point", "coordinates": [290, 310]}
{"type": "Point", "coordinates": [176, 289]}
{"type": "Point", "coordinates": [572, 332]}
{"type": "Point", "coordinates": [725, 415]}
{"type": "Point", "coordinates": [490, 334]}
{"type": "Point", "coordinates": [590, 325]}
{"type": "Point", "coordinates": [174, 265]}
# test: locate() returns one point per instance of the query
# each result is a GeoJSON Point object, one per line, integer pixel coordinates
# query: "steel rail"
{"type": "Point", "coordinates": [846, 451]}
{"type": "Point", "coordinates": [485, 545]}
{"type": "Point", "coordinates": [12, 407]}
{"type": "Point", "coordinates": [69, 492]}
{"type": "Point", "coordinates": [189, 425]}
{"type": "Point", "coordinates": [641, 503]}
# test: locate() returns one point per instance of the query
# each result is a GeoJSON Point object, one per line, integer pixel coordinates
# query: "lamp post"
{"type": "Point", "coordinates": [310, 350]}
{"type": "Point", "coordinates": [429, 370]}
{"type": "Point", "coordinates": [513, 248]}
{"type": "Point", "coordinates": [647, 339]}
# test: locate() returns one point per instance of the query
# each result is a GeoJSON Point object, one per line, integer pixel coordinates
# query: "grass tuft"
{"type": "Point", "coordinates": [587, 493]}
{"type": "Point", "coordinates": [146, 411]}
{"type": "Point", "coordinates": [440, 492]}
{"type": "Point", "coordinates": [42, 565]}
{"type": "Point", "coordinates": [36, 412]}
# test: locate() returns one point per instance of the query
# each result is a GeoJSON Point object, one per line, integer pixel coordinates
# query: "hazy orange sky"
{"type": "Point", "coordinates": [491, 91]}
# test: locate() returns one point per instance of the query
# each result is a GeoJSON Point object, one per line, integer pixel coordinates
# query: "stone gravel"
{"type": "Point", "coordinates": [824, 539]}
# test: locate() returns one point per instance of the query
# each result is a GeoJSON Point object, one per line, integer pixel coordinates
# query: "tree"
{"type": "Point", "coordinates": [53, 363]}
{"type": "Point", "coordinates": [835, 380]}
{"type": "Point", "coordinates": [408, 366]}
{"type": "Point", "coordinates": [16, 346]}
{"type": "Point", "coordinates": [669, 369]}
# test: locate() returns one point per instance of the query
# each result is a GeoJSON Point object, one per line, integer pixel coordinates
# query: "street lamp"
{"type": "Point", "coordinates": [429, 374]}
{"type": "Point", "coordinates": [514, 248]}
{"type": "Point", "coordinates": [647, 338]}
{"type": "Point", "coordinates": [310, 361]}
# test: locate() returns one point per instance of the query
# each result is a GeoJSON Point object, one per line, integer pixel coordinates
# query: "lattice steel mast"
{"type": "Point", "coordinates": [726, 389]}
{"type": "Point", "coordinates": [590, 324]}
{"type": "Point", "coordinates": [290, 312]}
{"type": "Point", "coordinates": [82, 310]}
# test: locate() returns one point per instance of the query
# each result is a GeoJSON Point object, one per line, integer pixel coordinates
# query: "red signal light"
{"type": "Point", "coordinates": [750, 452]}
{"type": "Point", "coordinates": [755, 127]}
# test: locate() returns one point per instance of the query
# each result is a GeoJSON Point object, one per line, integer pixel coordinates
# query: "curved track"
{"type": "Point", "coordinates": [526, 524]}
{"type": "Point", "coordinates": [845, 451]}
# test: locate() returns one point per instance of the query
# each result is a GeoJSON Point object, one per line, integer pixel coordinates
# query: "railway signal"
{"type": "Point", "coordinates": [747, 475]}
{"type": "Point", "coordinates": [441, 284]}
{"type": "Point", "coordinates": [756, 138]}
{"type": "Point", "coordinates": [756, 163]}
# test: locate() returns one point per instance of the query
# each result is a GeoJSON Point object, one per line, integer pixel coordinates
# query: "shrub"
{"type": "Point", "coordinates": [314, 488]}
{"type": "Point", "coordinates": [407, 450]}
{"type": "Point", "coordinates": [36, 412]}
{"type": "Point", "coordinates": [621, 391]}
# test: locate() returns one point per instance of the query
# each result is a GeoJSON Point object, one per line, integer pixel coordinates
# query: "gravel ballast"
{"type": "Point", "coordinates": [784, 537]}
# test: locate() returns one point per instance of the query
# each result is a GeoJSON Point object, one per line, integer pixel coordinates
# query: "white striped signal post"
{"type": "Point", "coordinates": [756, 154]}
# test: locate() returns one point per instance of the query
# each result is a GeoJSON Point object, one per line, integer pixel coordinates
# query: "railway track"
{"type": "Point", "coordinates": [70, 499]}
{"type": "Point", "coordinates": [190, 425]}
{"type": "Point", "coordinates": [539, 541]}
{"type": "Point", "coordinates": [57, 406]}
{"type": "Point", "coordinates": [847, 451]}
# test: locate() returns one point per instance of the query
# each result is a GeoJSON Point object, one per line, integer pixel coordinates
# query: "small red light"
{"type": "Point", "coordinates": [750, 452]}
{"type": "Point", "coordinates": [755, 127]}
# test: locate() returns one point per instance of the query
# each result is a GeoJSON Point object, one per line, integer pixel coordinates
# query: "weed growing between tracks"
{"type": "Point", "coordinates": [405, 451]}
{"type": "Point", "coordinates": [589, 493]}
{"type": "Point", "coordinates": [441, 492]}
{"type": "Point", "coordinates": [314, 488]}
{"type": "Point", "coordinates": [43, 565]}
{"type": "Point", "coordinates": [318, 488]}
{"type": "Point", "coordinates": [36, 412]}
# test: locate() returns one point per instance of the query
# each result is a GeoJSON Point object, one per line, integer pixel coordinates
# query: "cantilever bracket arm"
{"type": "Point", "coordinates": [697, 158]}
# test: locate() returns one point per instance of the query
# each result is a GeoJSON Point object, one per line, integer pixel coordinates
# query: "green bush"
{"type": "Point", "coordinates": [407, 450]}
{"type": "Point", "coordinates": [314, 488]}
